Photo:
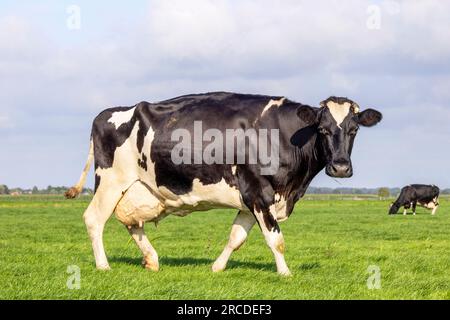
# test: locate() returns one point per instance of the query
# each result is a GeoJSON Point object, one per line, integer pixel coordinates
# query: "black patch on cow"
{"type": "Point", "coordinates": [143, 162]}
{"type": "Point", "coordinates": [97, 182]}
{"type": "Point", "coordinates": [270, 223]}
{"type": "Point", "coordinates": [145, 119]}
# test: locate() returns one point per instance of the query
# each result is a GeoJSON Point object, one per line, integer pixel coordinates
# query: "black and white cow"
{"type": "Point", "coordinates": [416, 194]}
{"type": "Point", "coordinates": [136, 177]}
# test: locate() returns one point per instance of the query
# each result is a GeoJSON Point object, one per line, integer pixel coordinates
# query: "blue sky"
{"type": "Point", "coordinates": [390, 55]}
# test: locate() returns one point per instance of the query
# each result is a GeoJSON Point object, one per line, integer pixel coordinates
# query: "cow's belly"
{"type": "Point", "coordinates": [203, 197]}
{"type": "Point", "coordinates": [141, 204]}
{"type": "Point", "coordinates": [429, 205]}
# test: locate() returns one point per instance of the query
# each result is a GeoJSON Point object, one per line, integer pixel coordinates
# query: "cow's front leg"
{"type": "Point", "coordinates": [434, 209]}
{"type": "Point", "coordinates": [259, 197]}
{"type": "Point", "coordinates": [414, 205]}
{"type": "Point", "coordinates": [239, 231]}
{"type": "Point", "coordinates": [274, 238]}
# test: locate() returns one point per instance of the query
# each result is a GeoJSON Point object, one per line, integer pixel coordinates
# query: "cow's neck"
{"type": "Point", "coordinates": [305, 164]}
{"type": "Point", "coordinates": [311, 162]}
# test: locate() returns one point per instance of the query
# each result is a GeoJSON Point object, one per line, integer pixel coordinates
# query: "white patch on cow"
{"type": "Point", "coordinates": [124, 169]}
{"type": "Point", "coordinates": [272, 103]}
{"type": "Point", "coordinates": [233, 170]}
{"type": "Point", "coordinates": [203, 197]}
{"type": "Point", "coordinates": [279, 207]}
{"type": "Point", "coordinates": [339, 111]}
{"type": "Point", "coordinates": [149, 176]}
{"type": "Point", "coordinates": [120, 117]}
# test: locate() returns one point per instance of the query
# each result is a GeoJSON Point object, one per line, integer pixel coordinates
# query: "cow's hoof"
{"type": "Point", "coordinates": [105, 267]}
{"type": "Point", "coordinates": [218, 267]}
{"type": "Point", "coordinates": [285, 273]}
{"type": "Point", "coordinates": [149, 264]}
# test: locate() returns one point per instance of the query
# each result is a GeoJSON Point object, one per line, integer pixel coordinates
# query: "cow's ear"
{"type": "Point", "coordinates": [369, 117]}
{"type": "Point", "coordinates": [307, 114]}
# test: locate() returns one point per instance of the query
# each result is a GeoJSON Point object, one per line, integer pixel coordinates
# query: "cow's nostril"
{"type": "Point", "coordinates": [334, 168]}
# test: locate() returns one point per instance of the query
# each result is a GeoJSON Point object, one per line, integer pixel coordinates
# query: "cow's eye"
{"type": "Point", "coordinates": [324, 131]}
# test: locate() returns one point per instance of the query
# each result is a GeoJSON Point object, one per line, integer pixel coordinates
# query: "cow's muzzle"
{"type": "Point", "coordinates": [339, 169]}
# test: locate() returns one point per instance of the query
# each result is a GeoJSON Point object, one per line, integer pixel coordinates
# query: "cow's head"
{"type": "Point", "coordinates": [393, 208]}
{"type": "Point", "coordinates": [337, 122]}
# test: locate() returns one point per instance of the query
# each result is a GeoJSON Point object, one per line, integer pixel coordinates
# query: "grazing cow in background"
{"type": "Point", "coordinates": [416, 194]}
{"type": "Point", "coordinates": [138, 174]}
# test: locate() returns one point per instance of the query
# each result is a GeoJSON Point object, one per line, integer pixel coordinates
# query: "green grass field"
{"type": "Point", "coordinates": [330, 243]}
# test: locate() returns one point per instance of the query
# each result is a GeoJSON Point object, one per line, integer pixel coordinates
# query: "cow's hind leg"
{"type": "Point", "coordinates": [242, 225]}
{"type": "Point", "coordinates": [150, 260]}
{"type": "Point", "coordinates": [98, 212]}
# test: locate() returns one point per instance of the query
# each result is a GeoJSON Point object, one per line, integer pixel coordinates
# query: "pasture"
{"type": "Point", "coordinates": [330, 243]}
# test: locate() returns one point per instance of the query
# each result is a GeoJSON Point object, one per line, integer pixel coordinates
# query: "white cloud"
{"type": "Point", "coordinates": [424, 27]}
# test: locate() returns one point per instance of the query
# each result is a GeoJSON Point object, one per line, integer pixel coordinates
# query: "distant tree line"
{"type": "Point", "coordinates": [4, 190]}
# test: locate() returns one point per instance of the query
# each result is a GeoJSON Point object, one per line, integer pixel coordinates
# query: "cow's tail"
{"type": "Point", "coordinates": [76, 190]}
